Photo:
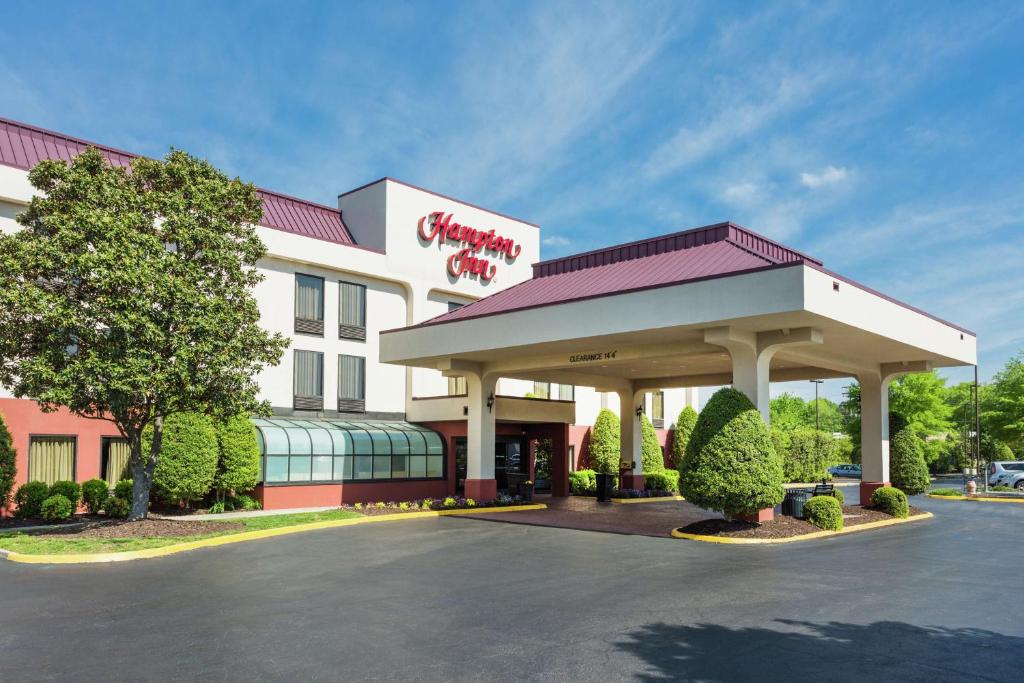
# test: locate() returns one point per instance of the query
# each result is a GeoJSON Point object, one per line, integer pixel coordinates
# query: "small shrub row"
{"type": "Point", "coordinates": [641, 493]}
{"type": "Point", "coordinates": [824, 512]}
{"type": "Point", "coordinates": [946, 492]}
{"type": "Point", "coordinates": [581, 481]}
{"type": "Point", "coordinates": [32, 497]}
{"type": "Point", "coordinates": [890, 500]}
{"type": "Point", "coordinates": [447, 503]}
{"type": "Point", "coordinates": [57, 508]}
{"type": "Point", "coordinates": [662, 480]}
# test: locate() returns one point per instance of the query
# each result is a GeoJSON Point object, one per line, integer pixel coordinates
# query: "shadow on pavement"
{"type": "Point", "coordinates": [801, 650]}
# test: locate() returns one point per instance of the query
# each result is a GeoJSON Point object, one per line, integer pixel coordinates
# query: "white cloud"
{"type": "Point", "coordinates": [829, 176]}
{"type": "Point", "coordinates": [741, 192]}
{"type": "Point", "coordinates": [555, 241]}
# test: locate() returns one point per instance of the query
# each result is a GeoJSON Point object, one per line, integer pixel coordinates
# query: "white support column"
{"type": "Point", "coordinates": [692, 398]}
{"type": "Point", "coordinates": [630, 436]}
{"type": "Point", "coordinates": [480, 482]}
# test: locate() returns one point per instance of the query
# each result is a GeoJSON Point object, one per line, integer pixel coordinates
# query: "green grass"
{"type": "Point", "coordinates": [28, 544]}
{"type": "Point", "coordinates": [946, 492]}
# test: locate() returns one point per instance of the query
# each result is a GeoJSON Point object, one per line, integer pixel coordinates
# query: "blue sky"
{"type": "Point", "coordinates": [884, 138]}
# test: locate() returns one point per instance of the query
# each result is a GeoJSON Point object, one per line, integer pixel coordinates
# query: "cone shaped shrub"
{"type": "Point", "coordinates": [188, 458]}
{"type": "Point", "coordinates": [604, 443]}
{"type": "Point", "coordinates": [651, 457]}
{"type": "Point", "coordinates": [239, 466]}
{"type": "Point", "coordinates": [681, 434]}
{"type": "Point", "coordinates": [907, 468]}
{"type": "Point", "coordinates": [730, 464]}
{"type": "Point", "coordinates": [7, 464]}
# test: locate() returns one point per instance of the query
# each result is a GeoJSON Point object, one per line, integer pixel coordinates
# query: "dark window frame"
{"type": "Point", "coordinates": [310, 326]}
{"type": "Point", "coordinates": [349, 331]}
{"type": "Point", "coordinates": [348, 404]}
{"type": "Point", "coordinates": [301, 402]}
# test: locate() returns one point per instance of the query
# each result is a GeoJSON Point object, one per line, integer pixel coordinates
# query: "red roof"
{"type": "Point", "coordinates": [699, 254]}
{"type": "Point", "coordinates": [24, 146]}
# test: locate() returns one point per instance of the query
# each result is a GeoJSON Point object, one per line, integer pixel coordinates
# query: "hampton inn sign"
{"type": "Point", "coordinates": [440, 226]}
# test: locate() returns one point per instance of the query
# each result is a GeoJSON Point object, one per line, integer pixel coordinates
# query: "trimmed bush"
{"type": "Point", "coordinates": [890, 500]}
{"type": "Point", "coordinates": [118, 507]}
{"type": "Point", "coordinates": [238, 466]}
{"type": "Point", "coordinates": [808, 455]}
{"type": "Point", "coordinates": [123, 490]}
{"type": "Point", "coordinates": [824, 512]}
{"type": "Point", "coordinates": [57, 508]}
{"type": "Point", "coordinates": [604, 443]}
{"type": "Point", "coordinates": [907, 467]}
{"type": "Point", "coordinates": [685, 423]}
{"type": "Point", "coordinates": [29, 499]}
{"type": "Point", "coordinates": [731, 465]}
{"type": "Point", "coordinates": [188, 458]}
{"type": "Point", "coordinates": [241, 502]}
{"type": "Point", "coordinates": [664, 480]}
{"type": "Point", "coordinates": [947, 492]}
{"type": "Point", "coordinates": [582, 481]}
{"type": "Point", "coordinates": [837, 493]}
{"type": "Point", "coordinates": [651, 457]}
{"type": "Point", "coordinates": [8, 464]}
{"type": "Point", "coordinates": [68, 489]}
{"type": "Point", "coordinates": [95, 494]}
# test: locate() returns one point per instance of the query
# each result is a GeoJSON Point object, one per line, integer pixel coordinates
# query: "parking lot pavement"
{"type": "Point", "coordinates": [457, 599]}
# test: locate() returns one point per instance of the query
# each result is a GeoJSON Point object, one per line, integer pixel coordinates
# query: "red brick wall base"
{"type": "Point", "coordinates": [481, 489]}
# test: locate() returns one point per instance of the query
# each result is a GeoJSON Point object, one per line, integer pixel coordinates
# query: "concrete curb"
{"type": "Point", "coordinates": [980, 499]}
{"type": "Point", "coordinates": [653, 499]}
{"type": "Point", "coordinates": [241, 537]}
{"type": "Point", "coordinates": [676, 533]}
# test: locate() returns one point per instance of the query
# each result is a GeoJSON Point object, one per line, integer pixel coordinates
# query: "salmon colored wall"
{"type": "Point", "coordinates": [579, 436]}
{"type": "Point", "coordinates": [282, 497]}
{"type": "Point", "coordinates": [25, 419]}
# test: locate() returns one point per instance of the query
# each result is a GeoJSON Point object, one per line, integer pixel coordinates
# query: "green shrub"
{"type": "Point", "coordinates": [118, 507]}
{"type": "Point", "coordinates": [244, 502]}
{"type": "Point", "coordinates": [69, 490]}
{"type": "Point", "coordinates": [842, 450]}
{"type": "Point", "coordinates": [731, 465]}
{"type": "Point", "coordinates": [665, 480]}
{"type": "Point", "coordinates": [651, 457]}
{"type": "Point", "coordinates": [238, 466]}
{"type": "Point", "coordinates": [808, 455]}
{"type": "Point", "coordinates": [188, 458]}
{"type": "Point", "coordinates": [890, 500]}
{"type": "Point", "coordinates": [95, 494]}
{"type": "Point", "coordinates": [8, 464]}
{"type": "Point", "coordinates": [582, 481]}
{"type": "Point", "coordinates": [946, 492]}
{"type": "Point", "coordinates": [217, 508]}
{"type": "Point", "coordinates": [838, 494]}
{"type": "Point", "coordinates": [57, 508]}
{"type": "Point", "coordinates": [681, 434]}
{"type": "Point", "coordinates": [1002, 489]}
{"type": "Point", "coordinates": [824, 512]}
{"type": "Point", "coordinates": [29, 499]}
{"type": "Point", "coordinates": [907, 468]}
{"type": "Point", "coordinates": [123, 490]}
{"type": "Point", "coordinates": [604, 443]}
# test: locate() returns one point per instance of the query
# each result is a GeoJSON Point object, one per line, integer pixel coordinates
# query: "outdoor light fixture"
{"type": "Point", "coordinates": [639, 411]}
{"type": "Point", "coordinates": [490, 402]}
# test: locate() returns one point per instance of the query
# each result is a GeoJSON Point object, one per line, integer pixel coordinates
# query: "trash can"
{"type": "Point", "coordinates": [793, 503]}
{"type": "Point", "coordinates": [604, 487]}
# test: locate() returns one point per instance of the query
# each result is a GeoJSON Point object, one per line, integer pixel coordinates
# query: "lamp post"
{"type": "Point", "coordinates": [816, 383]}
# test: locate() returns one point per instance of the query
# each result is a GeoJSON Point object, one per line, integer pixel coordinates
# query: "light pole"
{"type": "Point", "coordinates": [816, 383]}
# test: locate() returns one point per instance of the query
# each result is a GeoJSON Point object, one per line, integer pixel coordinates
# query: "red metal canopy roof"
{"type": "Point", "coordinates": [24, 146]}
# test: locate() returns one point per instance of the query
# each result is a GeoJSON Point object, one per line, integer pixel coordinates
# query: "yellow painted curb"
{"type": "Point", "coordinates": [658, 499]}
{"type": "Point", "coordinates": [676, 533]}
{"type": "Point", "coordinates": [982, 499]}
{"type": "Point", "coordinates": [162, 551]}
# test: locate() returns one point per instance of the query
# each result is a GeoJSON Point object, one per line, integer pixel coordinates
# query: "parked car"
{"type": "Point", "coordinates": [1004, 471]}
{"type": "Point", "coordinates": [847, 470]}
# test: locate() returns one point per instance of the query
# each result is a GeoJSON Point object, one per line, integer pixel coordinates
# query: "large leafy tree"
{"type": "Point", "coordinates": [1004, 404]}
{"type": "Point", "coordinates": [128, 296]}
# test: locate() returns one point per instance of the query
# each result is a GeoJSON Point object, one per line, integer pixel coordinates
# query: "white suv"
{"type": "Point", "coordinates": [1007, 473]}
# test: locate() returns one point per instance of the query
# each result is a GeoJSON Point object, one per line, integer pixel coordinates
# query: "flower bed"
{"type": "Point", "coordinates": [419, 505]}
{"type": "Point", "coordinates": [783, 526]}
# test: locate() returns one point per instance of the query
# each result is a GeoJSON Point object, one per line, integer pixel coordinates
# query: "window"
{"type": "Point", "coordinates": [566, 392]}
{"type": "Point", "coordinates": [572, 457]}
{"type": "Point", "coordinates": [351, 311]}
{"type": "Point", "coordinates": [658, 409]}
{"type": "Point", "coordinates": [51, 458]}
{"type": "Point", "coordinates": [351, 384]}
{"type": "Point", "coordinates": [309, 380]}
{"type": "Point", "coordinates": [542, 390]}
{"type": "Point", "coordinates": [323, 450]}
{"type": "Point", "coordinates": [114, 455]}
{"type": "Point", "coordinates": [309, 304]}
{"type": "Point", "coordinates": [457, 386]}
{"type": "Point", "coordinates": [604, 400]}
{"type": "Point", "coordinates": [453, 305]}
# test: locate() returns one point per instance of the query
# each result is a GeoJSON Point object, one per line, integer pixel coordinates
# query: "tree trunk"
{"type": "Point", "coordinates": [142, 470]}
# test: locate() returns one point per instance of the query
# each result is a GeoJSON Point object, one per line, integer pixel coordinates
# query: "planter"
{"type": "Point", "coordinates": [604, 487]}
{"type": "Point", "coordinates": [526, 492]}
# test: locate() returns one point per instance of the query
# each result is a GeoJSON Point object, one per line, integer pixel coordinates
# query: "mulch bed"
{"type": "Point", "coordinates": [102, 527]}
{"type": "Point", "coordinates": [15, 523]}
{"type": "Point", "coordinates": [782, 526]}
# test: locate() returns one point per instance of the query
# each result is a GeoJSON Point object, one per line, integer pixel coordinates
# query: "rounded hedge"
{"type": "Point", "coordinates": [651, 457]}
{"type": "Point", "coordinates": [118, 507]}
{"type": "Point", "coordinates": [731, 465]}
{"type": "Point", "coordinates": [29, 499]}
{"type": "Point", "coordinates": [95, 494]}
{"type": "Point", "coordinates": [824, 512]}
{"type": "Point", "coordinates": [68, 489]}
{"type": "Point", "coordinates": [908, 470]}
{"type": "Point", "coordinates": [123, 490]}
{"type": "Point", "coordinates": [56, 508]}
{"type": "Point", "coordinates": [837, 493]}
{"type": "Point", "coordinates": [890, 500]}
{"type": "Point", "coordinates": [582, 481]}
{"type": "Point", "coordinates": [238, 468]}
{"type": "Point", "coordinates": [8, 464]}
{"type": "Point", "coordinates": [604, 443]}
{"type": "Point", "coordinates": [188, 457]}
{"type": "Point", "coordinates": [685, 423]}
{"type": "Point", "coordinates": [663, 480]}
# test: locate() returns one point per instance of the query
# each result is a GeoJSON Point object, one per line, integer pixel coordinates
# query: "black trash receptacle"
{"type": "Point", "coordinates": [793, 503]}
{"type": "Point", "coordinates": [604, 487]}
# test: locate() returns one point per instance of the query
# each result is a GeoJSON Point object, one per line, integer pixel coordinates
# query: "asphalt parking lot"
{"type": "Point", "coordinates": [461, 599]}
